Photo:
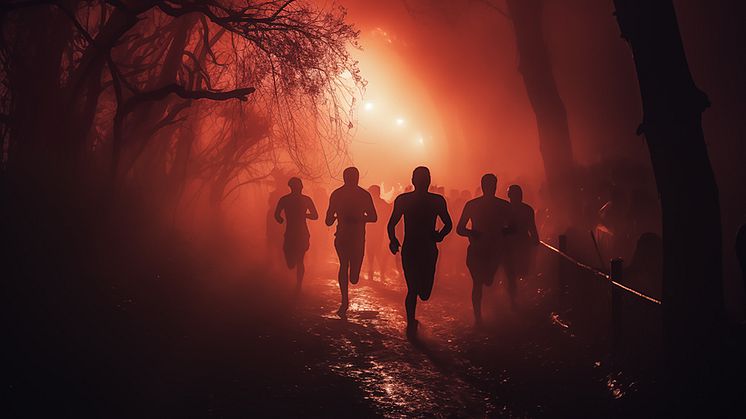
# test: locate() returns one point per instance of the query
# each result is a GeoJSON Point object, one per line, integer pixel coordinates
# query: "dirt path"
{"type": "Point", "coordinates": [520, 364]}
{"type": "Point", "coordinates": [202, 344]}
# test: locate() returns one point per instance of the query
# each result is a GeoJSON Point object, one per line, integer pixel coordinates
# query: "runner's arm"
{"type": "Point", "coordinates": [370, 211]}
{"type": "Point", "coordinates": [312, 214]}
{"type": "Point", "coordinates": [445, 217]}
{"type": "Point", "coordinates": [396, 215]}
{"type": "Point", "coordinates": [278, 210]}
{"type": "Point", "coordinates": [331, 212]}
{"type": "Point", "coordinates": [461, 229]}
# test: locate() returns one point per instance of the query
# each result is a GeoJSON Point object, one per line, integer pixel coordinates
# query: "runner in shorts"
{"type": "Point", "coordinates": [490, 219]}
{"type": "Point", "coordinates": [297, 209]}
{"type": "Point", "coordinates": [419, 253]}
{"type": "Point", "coordinates": [351, 207]}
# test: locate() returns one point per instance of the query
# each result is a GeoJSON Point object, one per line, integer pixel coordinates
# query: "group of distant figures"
{"type": "Point", "coordinates": [500, 233]}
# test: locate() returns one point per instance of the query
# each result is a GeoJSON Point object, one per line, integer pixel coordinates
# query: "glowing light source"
{"type": "Point", "coordinates": [420, 140]}
{"type": "Point", "coordinates": [369, 106]}
{"type": "Point", "coordinates": [400, 121]}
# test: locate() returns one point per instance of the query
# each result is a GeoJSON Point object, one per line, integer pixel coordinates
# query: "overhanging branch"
{"type": "Point", "coordinates": [160, 93]}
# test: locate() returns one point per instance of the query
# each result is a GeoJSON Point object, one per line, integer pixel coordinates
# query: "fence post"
{"type": "Point", "coordinates": [562, 266]}
{"type": "Point", "coordinates": [617, 274]}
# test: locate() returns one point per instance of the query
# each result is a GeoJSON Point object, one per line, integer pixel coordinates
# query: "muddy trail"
{"type": "Point", "coordinates": [521, 363]}
{"type": "Point", "coordinates": [214, 345]}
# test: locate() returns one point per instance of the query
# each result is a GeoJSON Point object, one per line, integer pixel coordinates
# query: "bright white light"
{"type": "Point", "coordinates": [369, 106]}
{"type": "Point", "coordinates": [421, 140]}
{"type": "Point", "coordinates": [400, 121]}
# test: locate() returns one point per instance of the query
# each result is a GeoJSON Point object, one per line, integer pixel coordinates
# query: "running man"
{"type": "Point", "coordinates": [490, 219]}
{"type": "Point", "coordinates": [297, 208]}
{"type": "Point", "coordinates": [351, 207]}
{"type": "Point", "coordinates": [375, 247]}
{"type": "Point", "coordinates": [522, 242]}
{"type": "Point", "coordinates": [419, 253]}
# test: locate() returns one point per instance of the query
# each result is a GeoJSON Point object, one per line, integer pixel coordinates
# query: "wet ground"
{"type": "Point", "coordinates": [526, 362]}
{"type": "Point", "coordinates": [215, 345]}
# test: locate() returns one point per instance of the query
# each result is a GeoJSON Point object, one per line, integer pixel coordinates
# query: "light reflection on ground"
{"type": "Point", "coordinates": [509, 368]}
{"type": "Point", "coordinates": [402, 377]}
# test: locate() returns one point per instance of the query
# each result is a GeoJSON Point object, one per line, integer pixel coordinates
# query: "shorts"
{"type": "Point", "coordinates": [483, 262]}
{"type": "Point", "coordinates": [350, 248]}
{"type": "Point", "coordinates": [419, 268]}
{"type": "Point", "coordinates": [294, 247]}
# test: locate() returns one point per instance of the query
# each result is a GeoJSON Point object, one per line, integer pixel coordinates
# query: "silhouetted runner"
{"type": "Point", "coordinates": [522, 241]}
{"type": "Point", "coordinates": [375, 251]}
{"type": "Point", "coordinates": [490, 217]}
{"type": "Point", "coordinates": [297, 208]}
{"type": "Point", "coordinates": [524, 237]}
{"type": "Point", "coordinates": [419, 253]}
{"type": "Point", "coordinates": [351, 206]}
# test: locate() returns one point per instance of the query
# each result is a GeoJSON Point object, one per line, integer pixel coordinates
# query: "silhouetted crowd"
{"type": "Point", "coordinates": [499, 234]}
{"type": "Point", "coordinates": [616, 216]}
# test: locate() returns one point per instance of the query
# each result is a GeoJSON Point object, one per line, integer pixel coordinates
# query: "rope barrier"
{"type": "Point", "coordinates": [599, 273]}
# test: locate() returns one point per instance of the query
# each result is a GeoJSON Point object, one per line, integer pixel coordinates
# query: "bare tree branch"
{"type": "Point", "coordinates": [160, 93]}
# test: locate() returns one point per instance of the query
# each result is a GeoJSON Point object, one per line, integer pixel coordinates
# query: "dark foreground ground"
{"type": "Point", "coordinates": [100, 321]}
{"type": "Point", "coordinates": [200, 342]}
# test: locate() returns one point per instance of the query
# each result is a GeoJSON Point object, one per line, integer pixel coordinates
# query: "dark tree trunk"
{"type": "Point", "coordinates": [85, 86]}
{"type": "Point", "coordinates": [672, 125]}
{"type": "Point", "coordinates": [53, 114]}
{"type": "Point", "coordinates": [551, 117]}
{"type": "Point", "coordinates": [34, 78]}
{"type": "Point", "coordinates": [148, 148]}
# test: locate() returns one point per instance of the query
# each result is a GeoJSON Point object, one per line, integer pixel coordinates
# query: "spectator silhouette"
{"type": "Point", "coordinates": [374, 243]}
{"type": "Point", "coordinates": [489, 217]}
{"type": "Point", "coordinates": [523, 239]}
{"type": "Point", "coordinates": [297, 209]}
{"type": "Point", "coordinates": [351, 207]}
{"type": "Point", "coordinates": [420, 210]}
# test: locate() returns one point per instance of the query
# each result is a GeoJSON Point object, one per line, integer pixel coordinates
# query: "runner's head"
{"type": "Point", "coordinates": [515, 193]}
{"type": "Point", "coordinates": [295, 184]}
{"type": "Point", "coordinates": [421, 178]}
{"type": "Point", "coordinates": [489, 184]}
{"type": "Point", "coordinates": [375, 191]}
{"type": "Point", "coordinates": [351, 176]}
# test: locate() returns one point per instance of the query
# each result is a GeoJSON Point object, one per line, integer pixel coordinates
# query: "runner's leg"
{"type": "Point", "coordinates": [409, 268]}
{"type": "Point", "coordinates": [410, 304]}
{"type": "Point", "coordinates": [370, 256]}
{"type": "Point", "coordinates": [427, 272]}
{"type": "Point", "coordinates": [288, 251]}
{"type": "Point", "coordinates": [344, 266]}
{"type": "Point", "coordinates": [511, 274]}
{"type": "Point", "coordinates": [473, 263]}
{"type": "Point", "coordinates": [357, 252]}
{"type": "Point", "coordinates": [476, 299]}
{"type": "Point", "coordinates": [301, 271]}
